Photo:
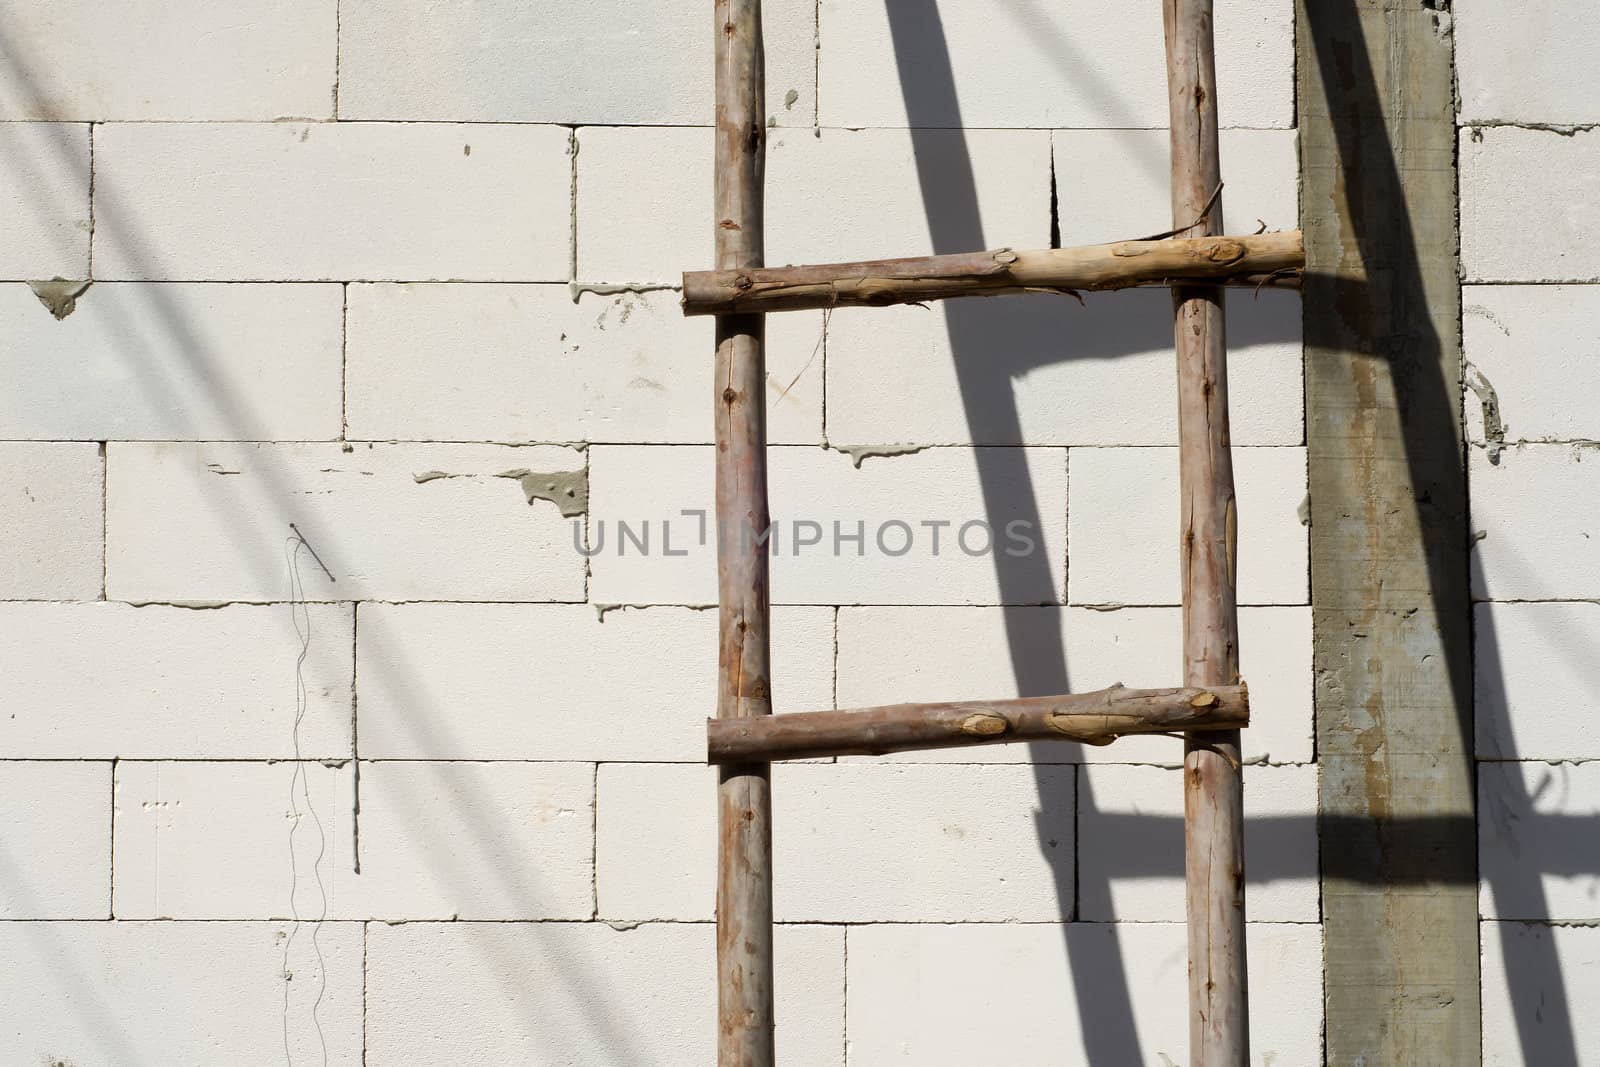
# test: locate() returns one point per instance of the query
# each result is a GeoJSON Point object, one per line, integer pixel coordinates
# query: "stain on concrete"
{"type": "Point", "coordinates": [857, 453]}
{"type": "Point", "coordinates": [1484, 313]}
{"type": "Point", "coordinates": [59, 295]}
{"type": "Point", "coordinates": [789, 98]}
{"type": "Point", "coordinates": [578, 289]}
{"type": "Point", "coordinates": [567, 490]}
{"type": "Point", "coordinates": [1494, 427]}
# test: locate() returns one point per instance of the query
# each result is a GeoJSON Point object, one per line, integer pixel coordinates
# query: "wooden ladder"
{"type": "Point", "coordinates": [1211, 707]}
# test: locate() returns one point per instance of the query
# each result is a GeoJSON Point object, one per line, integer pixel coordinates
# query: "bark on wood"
{"type": "Point", "coordinates": [1213, 787]}
{"type": "Point", "coordinates": [744, 807]}
{"type": "Point", "coordinates": [1091, 718]}
{"type": "Point", "coordinates": [1268, 259]}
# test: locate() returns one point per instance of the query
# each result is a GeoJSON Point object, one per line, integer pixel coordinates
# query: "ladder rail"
{"type": "Point", "coordinates": [744, 793]}
{"type": "Point", "coordinates": [1213, 790]}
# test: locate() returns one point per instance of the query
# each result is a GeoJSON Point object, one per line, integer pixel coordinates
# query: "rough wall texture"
{"type": "Point", "coordinates": [1530, 332]}
{"type": "Point", "coordinates": [399, 272]}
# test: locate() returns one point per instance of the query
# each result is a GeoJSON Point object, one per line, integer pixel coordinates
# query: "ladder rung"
{"type": "Point", "coordinates": [1266, 259]}
{"type": "Point", "coordinates": [1097, 718]}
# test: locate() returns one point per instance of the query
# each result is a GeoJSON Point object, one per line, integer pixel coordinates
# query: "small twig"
{"type": "Point", "coordinates": [1286, 272]}
{"type": "Point", "coordinates": [1210, 203]}
{"type": "Point", "coordinates": [313, 552]}
{"type": "Point", "coordinates": [827, 315]}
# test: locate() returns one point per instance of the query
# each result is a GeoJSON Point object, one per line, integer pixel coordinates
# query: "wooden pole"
{"type": "Point", "coordinates": [744, 793]}
{"type": "Point", "coordinates": [1268, 259]}
{"type": "Point", "coordinates": [1213, 786]}
{"type": "Point", "coordinates": [1090, 718]}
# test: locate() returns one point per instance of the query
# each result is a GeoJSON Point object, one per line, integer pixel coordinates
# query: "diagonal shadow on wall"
{"type": "Point", "coordinates": [1372, 849]}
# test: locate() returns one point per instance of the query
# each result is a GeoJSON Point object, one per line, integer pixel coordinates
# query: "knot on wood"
{"type": "Point", "coordinates": [982, 725]}
{"type": "Point", "coordinates": [1087, 729]}
{"type": "Point", "coordinates": [1206, 699]}
{"type": "Point", "coordinates": [1223, 251]}
{"type": "Point", "coordinates": [1005, 256]}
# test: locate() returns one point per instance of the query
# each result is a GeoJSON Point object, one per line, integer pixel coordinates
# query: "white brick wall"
{"type": "Point", "coordinates": [143, 992]}
{"type": "Point", "coordinates": [395, 522]}
{"type": "Point", "coordinates": [1126, 552]}
{"type": "Point", "coordinates": [528, 363]}
{"type": "Point", "coordinates": [1039, 994]}
{"type": "Point", "coordinates": [313, 201]}
{"type": "Point", "coordinates": [1093, 64]}
{"type": "Point", "coordinates": [1516, 182]}
{"type": "Point", "coordinates": [172, 682]}
{"type": "Point", "coordinates": [44, 209]}
{"type": "Point", "coordinates": [180, 60]}
{"type": "Point", "coordinates": [971, 653]}
{"type": "Point", "coordinates": [1533, 346]}
{"type": "Point", "coordinates": [439, 993]}
{"type": "Point", "coordinates": [1529, 62]}
{"type": "Point", "coordinates": [333, 249]}
{"type": "Point", "coordinates": [610, 62]}
{"type": "Point", "coordinates": [950, 488]}
{"type": "Point", "coordinates": [562, 682]}
{"type": "Point", "coordinates": [174, 362]}
{"type": "Point", "coordinates": [57, 850]}
{"type": "Point", "coordinates": [1043, 370]}
{"type": "Point", "coordinates": [52, 542]}
{"type": "Point", "coordinates": [1526, 93]}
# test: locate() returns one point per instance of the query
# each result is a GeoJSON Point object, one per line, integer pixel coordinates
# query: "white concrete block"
{"type": "Point", "coordinates": [1125, 519]}
{"type": "Point", "coordinates": [57, 850]}
{"type": "Point", "coordinates": [1130, 853]}
{"type": "Point", "coordinates": [1016, 495]}
{"type": "Point", "coordinates": [1538, 855]}
{"type": "Point", "coordinates": [1085, 64]}
{"type": "Point", "coordinates": [998, 653]}
{"type": "Point", "coordinates": [392, 522]}
{"type": "Point", "coordinates": [655, 849]}
{"type": "Point", "coordinates": [876, 194]}
{"type": "Point", "coordinates": [1535, 514]}
{"type": "Point", "coordinates": [549, 993]}
{"type": "Point", "coordinates": [228, 840]}
{"type": "Point", "coordinates": [52, 543]}
{"type": "Point", "coordinates": [438, 841]}
{"type": "Point", "coordinates": [191, 993]}
{"type": "Point", "coordinates": [169, 59]}
{"type": "Point", "coordinates": [1037, 995]}
{"type": "Point", "coordinates": [196, 362]}
{"type": "Point", "coordinates": [1533, 347]}
{"type": "Point", "coordinates": [558, 682]}
{"type": "Point", "coordinates": [644, 204]}
{"type": "Point", "coordinates": [472, 841]}
{"type": "Point", "coordinates": [1527, 62]}
{"type": "Point", "coordinates": [525, 363]}
{"type": "Point", "coordinates": [644, 200]}
{"type": "Point", "coordinates": [110, 680]}
{"type": "Point", "coordinates": [44, 209]}
{"type": "Point", "coordinates": [605, 61]}
{"type": "Point", "coordinates": [1115, 185]}
{"type": "Point", "coordinates": [1042, 370]}
{"type": "Point", "coordinates": [312, 202]}
{"type": "Point", "coordinates": [1538, 680]}
{"type": "Point", "coordinates": [851, 843]}
{"type": "Point", "coordinates": [856, 843]}
{"type": "Point", "coordinates": [1517, 182]}
{"type": "Point", "coordinates": [1538, 984]}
